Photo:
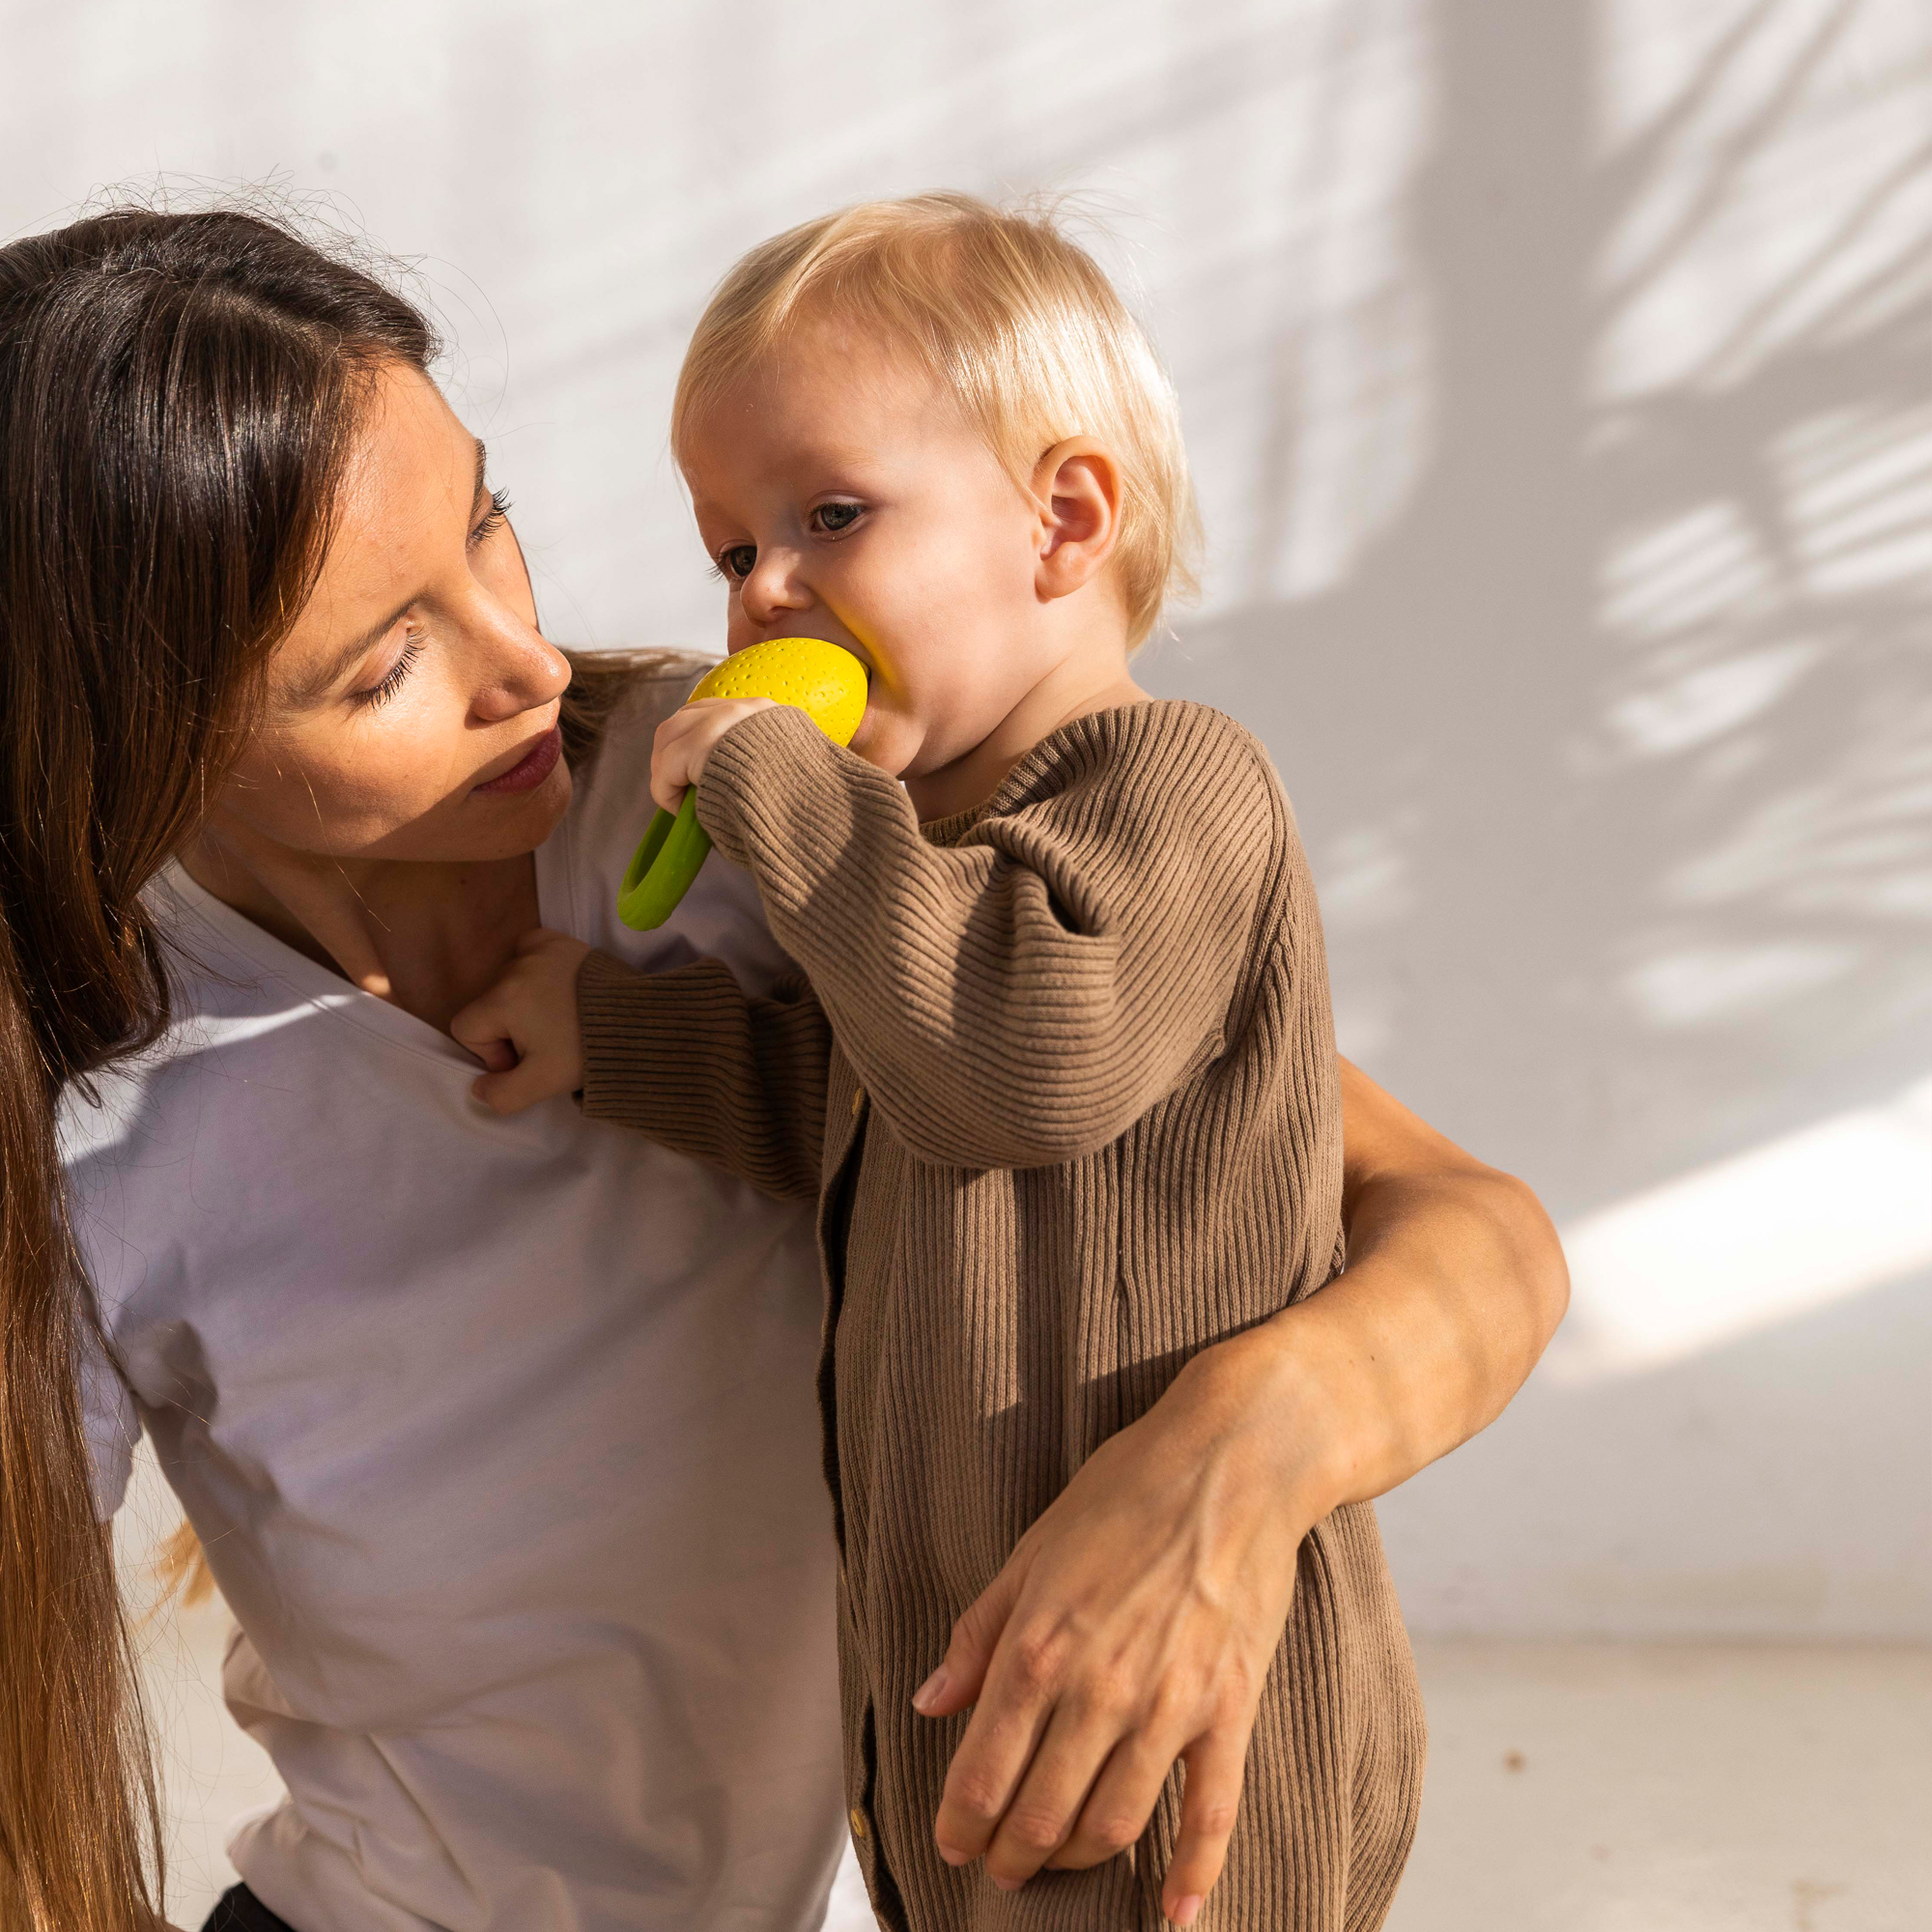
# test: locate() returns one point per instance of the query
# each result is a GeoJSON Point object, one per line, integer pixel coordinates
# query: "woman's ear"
{"type": "Point", "coordinates": [1077, 487]}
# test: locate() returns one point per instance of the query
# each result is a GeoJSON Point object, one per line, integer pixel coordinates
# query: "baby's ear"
{"type": "Point", "coordinates": [1077, 486]}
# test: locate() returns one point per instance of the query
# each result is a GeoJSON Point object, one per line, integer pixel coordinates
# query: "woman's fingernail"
{"type": "Point", "coordinates": [952, 1854]}
{"type": "Point", "coordinates": [930, 1692]}
{"type": "Point", "coordinates": [1006, 1884]}
{"type": "Point", "coordinates": [1184, 1911]}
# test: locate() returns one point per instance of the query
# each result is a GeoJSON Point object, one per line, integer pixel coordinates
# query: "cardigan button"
{"type": "Point", "coordinates": [857, 1820]}
{"type": "Point", "coordinates": [857, 1101]}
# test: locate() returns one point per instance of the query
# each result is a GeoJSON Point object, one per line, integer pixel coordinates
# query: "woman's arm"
{"type": "Point", "coordinates": [1135, 1621]}
{"type": "Point", "coordinates": [1455, 1284]}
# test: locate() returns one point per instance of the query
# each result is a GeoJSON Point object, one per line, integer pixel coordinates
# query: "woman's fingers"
{"type": "Point", "coordinates": [993, 1756]}
{"type": "Point", "coordinates": [1134, 1627]}
{"type": "Point", "coordinates": [1042, 1814]}
{"type": "Point", "coordinates": [1208, 1809]}
{"type": "Point", "coordinates": [962, 1671]}
{"type": "Point", "coordinates": [1122, 1801]}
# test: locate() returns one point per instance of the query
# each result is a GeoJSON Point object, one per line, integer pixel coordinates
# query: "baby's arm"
{"type": "Point", "coordinates": [692, 1060]}
{"type": "Point", "coordinates": [686, 1057]}
{"type": "Point", "coordinates": [1022, 998]}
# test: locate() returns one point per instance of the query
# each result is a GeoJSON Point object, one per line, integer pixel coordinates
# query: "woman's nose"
{"type": "Point", "coordinates": [528, 672]}
{"type": "Point", "coordinates": [772, 586]}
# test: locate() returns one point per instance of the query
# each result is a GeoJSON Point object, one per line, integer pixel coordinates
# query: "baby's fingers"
{"type": "Point", "coordinates": [685, 739]}
{"type": "Point", "coordinates": [667, 791]}
{"type": "Point", "coordinates": [484, 1027]}
{"type": "Point", "coordinates": [678, 755]}
{"type": "Point", "coordinates": [538, 1077]}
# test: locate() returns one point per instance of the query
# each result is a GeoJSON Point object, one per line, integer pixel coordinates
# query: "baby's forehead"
{"type": "Point", "coordinates": [833, 392]}
{"type": "Point", "coordinates": [823, 356]}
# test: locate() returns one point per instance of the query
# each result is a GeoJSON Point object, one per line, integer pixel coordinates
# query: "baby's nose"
{"type": "Point", "coordinates": [774, 587]}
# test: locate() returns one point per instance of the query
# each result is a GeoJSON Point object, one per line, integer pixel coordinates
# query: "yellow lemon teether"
{"type": "Point", "coordinates": [823, 680]}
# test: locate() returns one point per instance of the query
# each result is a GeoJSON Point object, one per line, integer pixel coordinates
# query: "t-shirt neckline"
{"type": "Point", "coordinates": [330, 992]}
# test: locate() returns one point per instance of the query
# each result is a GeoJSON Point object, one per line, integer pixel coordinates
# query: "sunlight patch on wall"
{"type": "Point", "coordinates": [1705, 702]}
{"type": "Point", "coordinates": [1691, 568]}
{"type": "Point", "coordinates": [1290, 305]}
{"type": "Point", "coordinates": [1787, 1228]}
{"type": "Point", "coordinates": [1698, 985]}
{"type": "Point", "coordinates": [1858, 494]}
{"type": "Point", "coordinates": [1364, 874]}
{"type": "Point", "coordinates": [1784, 161]}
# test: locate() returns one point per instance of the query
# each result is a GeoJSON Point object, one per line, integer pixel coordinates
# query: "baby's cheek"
{"type": "Point", "coordinates": [739, 629]}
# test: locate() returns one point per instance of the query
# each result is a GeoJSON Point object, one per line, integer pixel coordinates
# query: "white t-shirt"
{"type": "Point", "coordinates": [500, 1435]}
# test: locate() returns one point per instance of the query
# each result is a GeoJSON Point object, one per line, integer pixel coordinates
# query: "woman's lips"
{"type": "Point", "coordinates": [532, 768]}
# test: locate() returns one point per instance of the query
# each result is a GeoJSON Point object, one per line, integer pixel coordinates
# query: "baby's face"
{"type": "Point", "coordinates": [842, 496]}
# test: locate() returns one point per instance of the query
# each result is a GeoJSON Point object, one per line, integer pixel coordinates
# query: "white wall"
{"type": "Point", "coordinates": [1557, 382]}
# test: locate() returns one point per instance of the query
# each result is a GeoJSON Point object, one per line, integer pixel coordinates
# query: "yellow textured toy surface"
{"type": "Point", "coordinates": [823, 680]}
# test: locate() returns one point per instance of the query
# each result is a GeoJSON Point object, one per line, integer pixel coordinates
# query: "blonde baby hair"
{"type": "Point", "coordinates": [1014, 318]}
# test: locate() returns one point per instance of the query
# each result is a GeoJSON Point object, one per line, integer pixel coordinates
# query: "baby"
{"type": "Point", "coordinates": [1059, 1070]}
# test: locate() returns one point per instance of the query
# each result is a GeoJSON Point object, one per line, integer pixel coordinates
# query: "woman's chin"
{"type": "Point", "coordinates": [509, 823]}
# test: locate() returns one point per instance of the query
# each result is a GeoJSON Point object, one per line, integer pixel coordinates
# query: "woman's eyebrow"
{"type": "Point", "coordinates": [344, 660]}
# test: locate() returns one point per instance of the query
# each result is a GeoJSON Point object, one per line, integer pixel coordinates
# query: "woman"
{"type": "Point", "coordinates": [497, 1432]}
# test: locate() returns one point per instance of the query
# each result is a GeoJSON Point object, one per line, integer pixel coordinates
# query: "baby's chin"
{"type": "Point", "coordinates": [892, 743]}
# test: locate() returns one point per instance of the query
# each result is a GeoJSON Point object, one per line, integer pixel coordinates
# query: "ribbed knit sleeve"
{"type": "Point", "coordinates": [1022, 996]}
{"type": "Point", "coordinates": [689, 1058]}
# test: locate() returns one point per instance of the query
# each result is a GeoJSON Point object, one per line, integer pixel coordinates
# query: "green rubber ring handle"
{"type": "Point", "coordinates": [661, 871]}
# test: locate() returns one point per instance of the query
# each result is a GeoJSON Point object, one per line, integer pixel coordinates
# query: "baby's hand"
{"type": "Point", "coordinates": [524, 1028]}
{"type": "Point", "coordinates": [685, 739]}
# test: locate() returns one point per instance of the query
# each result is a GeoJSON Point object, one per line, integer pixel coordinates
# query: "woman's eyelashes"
{"type": "Point", "coordinates": [495, 518]}
{"type": "Point", "coordinates": [380, 693]}
{"type": "Point", "coordinates": [492, 520]}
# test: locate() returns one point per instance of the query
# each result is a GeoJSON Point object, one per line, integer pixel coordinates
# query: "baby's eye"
{"type": "Point", "coordinates": [832, 518]}
{"type": "Point", "coordinates": [735, 560]}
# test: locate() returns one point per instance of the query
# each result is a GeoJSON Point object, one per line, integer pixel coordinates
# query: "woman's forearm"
{"type": "Point", "coordinates": [1455, 1284]}
{"type": "Point", "coordinates": [1146, 1602]}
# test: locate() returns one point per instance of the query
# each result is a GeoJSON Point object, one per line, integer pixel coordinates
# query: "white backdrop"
{"type": "Point", "coordinates": [1556, 378]}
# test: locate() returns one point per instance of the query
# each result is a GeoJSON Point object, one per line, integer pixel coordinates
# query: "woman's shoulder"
{"type": "Point", "coordinates": [612, 716]}
{"type": "Point", "coordinates": [578, 871]}
{"type": "Point", "coordinates": [619, 698]}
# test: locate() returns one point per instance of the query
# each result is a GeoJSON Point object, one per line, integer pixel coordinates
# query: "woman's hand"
{"type": "Point", "coordinates": [685, 739]}
{"type": "Point", "coordinates": [1135, 1621]}
{"type": "Point", "coordinates": [1133, 1626]}
{"type": "Point", "coordinates": [524, 1028]}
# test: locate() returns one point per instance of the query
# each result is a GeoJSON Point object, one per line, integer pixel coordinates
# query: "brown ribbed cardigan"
{"type": "Point", "coordinates": [1061, 1073]}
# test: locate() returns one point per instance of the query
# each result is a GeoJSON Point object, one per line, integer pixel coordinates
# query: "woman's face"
{"type": "Point", "coordinates": [411, 713]}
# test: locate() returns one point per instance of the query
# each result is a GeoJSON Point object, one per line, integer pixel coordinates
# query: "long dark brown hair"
{"type": "Point", "coordinates": [178, 395]}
